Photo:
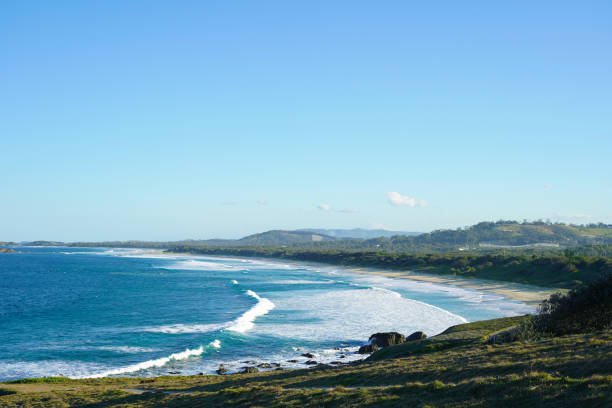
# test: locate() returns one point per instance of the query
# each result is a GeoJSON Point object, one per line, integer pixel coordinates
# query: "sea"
{"type": "Point", "coordinates": [100, 312]}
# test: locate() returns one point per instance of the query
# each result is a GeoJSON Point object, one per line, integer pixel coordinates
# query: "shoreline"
{"type": "Point", "coordinates": [531, 295]}
{"type": "Point", "coordinates": [527, 294]}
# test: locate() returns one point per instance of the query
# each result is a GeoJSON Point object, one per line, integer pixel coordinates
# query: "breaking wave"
{"type": "Point", "coordinates": [242, 324]}
{"type": "Point", "coordinates": [160, 362]}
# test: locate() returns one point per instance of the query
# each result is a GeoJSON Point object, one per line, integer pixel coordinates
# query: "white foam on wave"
{"type": "Point", "coordinates": [496, 303]}
{"type": "Point", "coordinates": [392, 292]}
{"type": "Point", "coordinates": [10, 370]}
{"type": "Point", "coordinates": [302, 282]}
{"type": "Point", "coordinates": [234, 281]}
{"type": "Point", "coordinates": [246, 321]}
{"type": "Point", "coordinates": [242, 324]}
{"type": "Point", "coordinates": [196, 262]}
{"type": "Point", "coordinates": [160, 362]}
{"type": "Point", "coordinates": [192, 264]}
{"type": "Point", "coordinates": [352, 315]}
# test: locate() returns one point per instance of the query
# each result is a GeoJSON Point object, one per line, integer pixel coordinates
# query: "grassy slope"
{"type": "Point", "coordinates": [572, 370]}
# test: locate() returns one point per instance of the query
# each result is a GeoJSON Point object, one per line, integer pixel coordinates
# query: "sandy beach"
{"type": "Point", "coordinates": [531, 295]}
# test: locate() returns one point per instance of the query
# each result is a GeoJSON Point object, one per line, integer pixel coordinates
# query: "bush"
{"type": "Point", "coordinates": [584, 309]}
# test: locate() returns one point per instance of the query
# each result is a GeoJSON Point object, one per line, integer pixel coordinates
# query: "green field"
{"type": "Point", "coordinates": [454, 369]}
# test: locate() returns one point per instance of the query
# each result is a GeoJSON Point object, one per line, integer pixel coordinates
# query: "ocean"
{"type": "Point", "coordinates": [83, 312]}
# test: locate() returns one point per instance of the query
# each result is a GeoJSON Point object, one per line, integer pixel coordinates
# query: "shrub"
{"type": "Point", "coordinates": [584, 309]}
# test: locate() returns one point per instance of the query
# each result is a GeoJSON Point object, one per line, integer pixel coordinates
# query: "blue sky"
{"type": "Point", "coordinates": [188, 119]}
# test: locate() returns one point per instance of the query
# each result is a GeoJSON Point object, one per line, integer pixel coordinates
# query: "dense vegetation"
{"type": "Point", "coordinates": [585, 309]}
{"type": "Point", "coordinates": [557, 270]}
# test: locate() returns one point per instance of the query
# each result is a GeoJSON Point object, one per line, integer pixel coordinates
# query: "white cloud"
{"type": "Point", "coordinates": [324, 207]}
{"type": "Point", "coordinates": [548, 186]}
{"type": "Point", "coordinates": [398, 199]}
{"type": "Point", "coordinates": [262, 202]}
{"type": "Point", "coordinates": [229, 202]}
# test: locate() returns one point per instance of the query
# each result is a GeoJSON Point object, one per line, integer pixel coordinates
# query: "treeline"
{"type": "Point", "coordinates": [510, 233]}
{"type": "Point", "coordinates": [557, 270]}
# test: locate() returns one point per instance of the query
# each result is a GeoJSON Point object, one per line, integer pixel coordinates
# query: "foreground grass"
{"type": "Point", "coordinates": [454, 369]}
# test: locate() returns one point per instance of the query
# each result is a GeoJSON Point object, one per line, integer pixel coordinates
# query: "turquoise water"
{"type": "Point", "coordinates": [99, 312]}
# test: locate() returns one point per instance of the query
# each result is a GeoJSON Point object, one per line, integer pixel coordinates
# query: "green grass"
{"type": "Point", "coordinates": [454, 369]}
{"type": "Point", "coordinates": [46, 380]}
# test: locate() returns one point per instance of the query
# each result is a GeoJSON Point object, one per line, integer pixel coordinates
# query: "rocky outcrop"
{"type": "Point", "coordinates": [310, 362]}
{"type": "Point", "coordinates": [387, 339]}
{"type": "Point", "coordinates": [503, 336]}
{"type": "Point", "coordinates": [221, 370]}
{"type": "Point", "coordinates": [264, 365]}
{"type": "Point", "coordinates": [416, 336]}
{"type": "Point", "coordinates": [368, 349]}
{"type": "Point", "coordinates": [249, 370]}
{"type": "Point", "coordinates": [308, 355]}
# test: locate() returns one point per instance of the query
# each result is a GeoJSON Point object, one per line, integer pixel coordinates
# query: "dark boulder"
{"type": "Point", "coordinates": [416, 336]}
{"type": "Point", "coordinates": [264, 365]}
{"type": "Point", "coordinates": [308, 355]}
{"type": "Point", "coordinates": [387, 339]}
{"type": "Point", "coordinates": [292, 361]}
{"type": "Point", "coordinates": [367, 349]}
{"type": "Point", "coordinates": [221, 370]}
{"type": "Point", "coordinates": [249, 370]}
{"type": "Point", "coordinates": [310, 362]}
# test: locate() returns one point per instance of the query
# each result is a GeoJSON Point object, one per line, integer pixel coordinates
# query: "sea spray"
{"type": "Point", "coordinates": [160, 362]}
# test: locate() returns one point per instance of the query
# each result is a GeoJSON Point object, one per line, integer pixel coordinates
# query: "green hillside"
{"type": "Point", "coordinates": [279, 237]}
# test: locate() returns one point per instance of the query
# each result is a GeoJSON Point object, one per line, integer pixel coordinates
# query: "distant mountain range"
{"type": "Point", "coordinates": [501, 235]}
{"type": "Point", "coordinates": [359, 233]}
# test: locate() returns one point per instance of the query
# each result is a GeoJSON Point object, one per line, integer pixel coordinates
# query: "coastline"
{"type": "Point", "coordinates": [529, 294]}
